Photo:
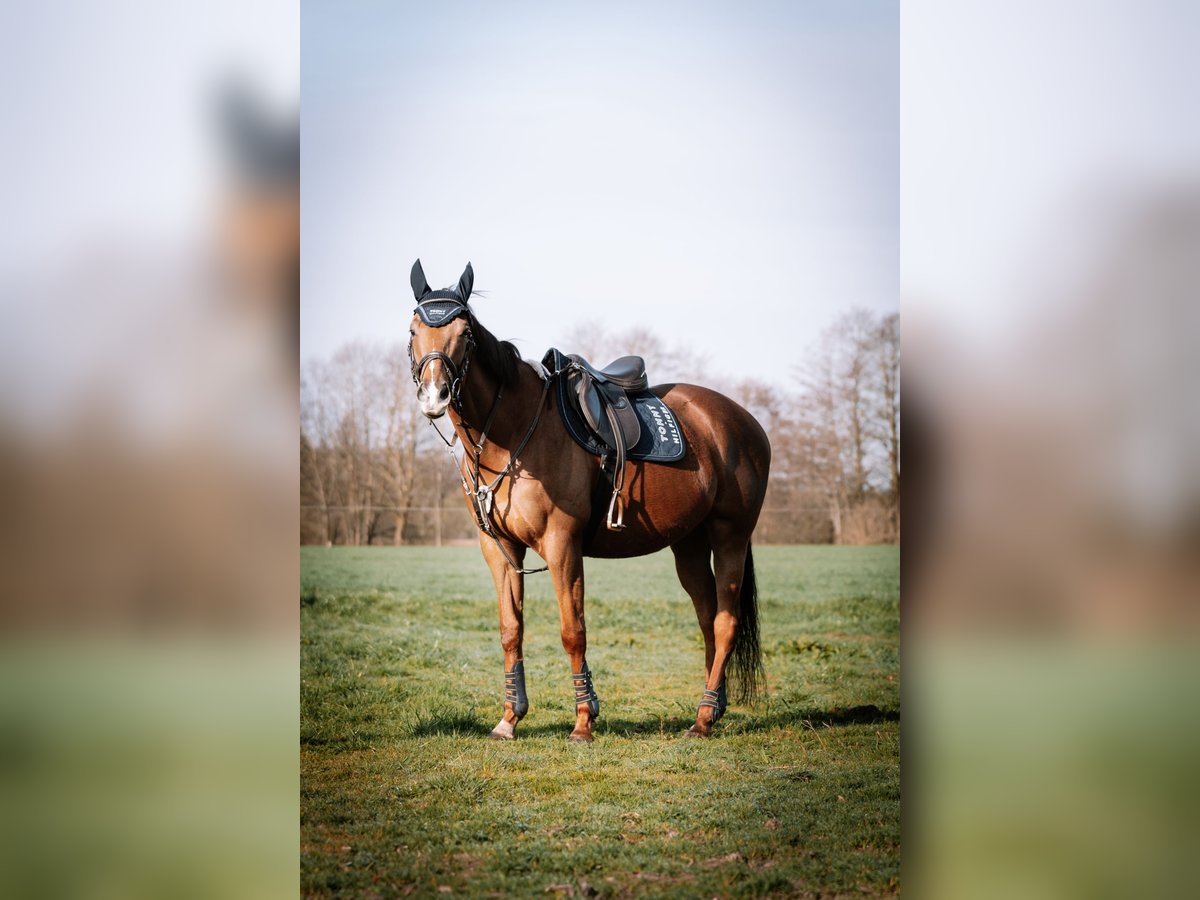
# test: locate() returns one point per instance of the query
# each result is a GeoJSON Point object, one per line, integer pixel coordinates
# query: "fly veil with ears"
{"type": "Point", "coordinates": [438, 308]}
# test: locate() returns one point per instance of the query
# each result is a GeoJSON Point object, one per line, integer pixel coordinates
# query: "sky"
{"type": "Point", "coordinates": [109, 109]}
{"type": "Point", "coordinates": [116, 182]}
{"type": "Point", "coordinates": [1026, 125]}
{"type": "Point", "coordinates": [725, 176]}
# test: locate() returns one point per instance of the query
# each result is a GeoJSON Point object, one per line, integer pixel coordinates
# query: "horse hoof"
{"type": "Point", "coordinates": [579, 738]}
{"type": "Point", "coordinates": [504, 731]}
{"type": "Point", "coordinates": [693, 733]}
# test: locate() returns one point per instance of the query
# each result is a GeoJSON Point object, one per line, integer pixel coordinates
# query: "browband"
{"type": "Point", "coordinates": [440, 308]}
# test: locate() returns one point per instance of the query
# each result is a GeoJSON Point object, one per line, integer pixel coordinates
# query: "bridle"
{"type": "Point", "coordinates": [457, 376]}
{"type": "Point", "coordinates": [479, 493]}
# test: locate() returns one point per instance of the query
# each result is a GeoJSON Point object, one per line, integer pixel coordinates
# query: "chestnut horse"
{"type": "Point", "coordinates": [532, 486]}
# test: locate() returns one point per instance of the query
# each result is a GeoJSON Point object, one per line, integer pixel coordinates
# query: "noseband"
{"type": "Point", "coordinates": [457, 376]}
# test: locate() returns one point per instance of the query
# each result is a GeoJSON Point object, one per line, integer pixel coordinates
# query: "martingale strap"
{"type": "Point", "coordinates": [717, 701]}
{"type": "Point", "coordinates": [481, 494]}
{"type": "Point", "coordinates": [514, 689]}
{"type": "Point", "coordinates": [585, 692]}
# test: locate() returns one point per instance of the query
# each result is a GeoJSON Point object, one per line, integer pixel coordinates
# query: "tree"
{"type": "Point", "coordinates": [888, 415]}
{"type": "Point", "coordinates": [402, 440]}
{"type": "Point", "coordinates": [848, 424]}
{"type": "Point", "coordinates": [360, 432]}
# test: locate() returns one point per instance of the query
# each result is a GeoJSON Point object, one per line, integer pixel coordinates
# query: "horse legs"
{"type": "Point", "coordinates": [566, 569]}
{"type": "Point", "coordinates": [693, 566]}
{"type": "Point", "coordinates": [729, 563]}
{"type": "Point", "coordinates": [510, 592]}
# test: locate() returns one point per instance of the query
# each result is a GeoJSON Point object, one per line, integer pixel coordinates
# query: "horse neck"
{"type": "Point", "coordinates": [516, 407]}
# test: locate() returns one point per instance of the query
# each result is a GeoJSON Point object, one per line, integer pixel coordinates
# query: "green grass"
{"type": "Point", "coordinates": [401, 682]}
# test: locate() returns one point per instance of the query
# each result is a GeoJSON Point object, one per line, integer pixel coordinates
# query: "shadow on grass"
{"type": "Point", "coordinates": [838, 717]}
{"type": "Point", "coordinates": [454, 723]}
{"type": "Point", "coordinates": [672, 726]}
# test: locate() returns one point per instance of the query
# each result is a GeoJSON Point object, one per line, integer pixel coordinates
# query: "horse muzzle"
{"type": "Point", "coordinates": [434, 400]}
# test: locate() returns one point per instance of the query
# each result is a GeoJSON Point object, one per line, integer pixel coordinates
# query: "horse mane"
{"type": "Point", "coordinates": [499, 358]}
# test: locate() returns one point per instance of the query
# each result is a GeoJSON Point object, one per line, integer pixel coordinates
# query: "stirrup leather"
{"type": "Point", "coordinates": [717, 701]}
{"type": "Point", "coordinates": [514, 689]}
{"type": "Point", "coordinates": [584, 692]}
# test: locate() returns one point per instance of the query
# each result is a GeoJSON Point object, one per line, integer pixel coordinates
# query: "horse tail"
{"type": "Point", "coordinates": [746, 659]}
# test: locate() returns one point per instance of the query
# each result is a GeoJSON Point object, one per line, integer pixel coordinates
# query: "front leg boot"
{"type": "Point", "coordinates": [516, 703]}
{"type": "Point", "coordinates": [587, 705]}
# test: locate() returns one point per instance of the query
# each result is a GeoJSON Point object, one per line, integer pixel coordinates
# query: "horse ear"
{"type": "Point", "coordinates": [419, 285]}
{"type": "Point", "coordinates": [465, 283]}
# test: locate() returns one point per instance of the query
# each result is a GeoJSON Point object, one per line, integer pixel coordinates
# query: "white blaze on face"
{"type": "Point", "coordinates": [433, 390]}
{"type": "Point", "coordinates": [433, 393]}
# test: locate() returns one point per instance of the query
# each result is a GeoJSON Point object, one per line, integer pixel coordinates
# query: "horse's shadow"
{"type": "Point", "coordinates": [747, 722]}
{"type": "Point", "coordinates": [837, 717]}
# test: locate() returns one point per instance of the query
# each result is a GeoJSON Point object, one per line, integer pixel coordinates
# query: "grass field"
{"type": "Point", "coordinates": [402, 793]}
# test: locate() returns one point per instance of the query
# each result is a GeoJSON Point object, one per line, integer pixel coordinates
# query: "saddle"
{"type": "Point", "coordinates": [604, 401]}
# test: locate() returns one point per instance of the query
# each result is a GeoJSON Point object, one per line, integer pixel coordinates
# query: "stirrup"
{"type": "Point", "coordinates": [717, 701]}
{"type": "Point", "coordinates": [514, 689]}
{"type": "Point", "coordinates": [616, 512]}
{"type": "Point", "coordinates": [584, 692]}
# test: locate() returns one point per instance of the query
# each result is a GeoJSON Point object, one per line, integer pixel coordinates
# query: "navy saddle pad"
{"type": "Point", "coordinates": [661, 440]}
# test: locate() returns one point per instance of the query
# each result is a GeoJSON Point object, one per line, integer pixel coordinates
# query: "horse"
{"type": "Point", "coordinates": [531, 486]}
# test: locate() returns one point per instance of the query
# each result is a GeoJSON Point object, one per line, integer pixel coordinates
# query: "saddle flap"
{"type": "Point", "coordinates": [607, 411]}
{"type": "Point", "coordinates": [590, 405]}
{"type": "Point", "coordinates": [621, 414]}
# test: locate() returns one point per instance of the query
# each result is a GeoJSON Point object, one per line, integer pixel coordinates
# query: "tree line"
{"type": "Point", "coordinates": [372, 470]}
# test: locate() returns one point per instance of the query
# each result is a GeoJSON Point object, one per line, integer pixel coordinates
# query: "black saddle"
{"type": "Point", "coordinates": [627, 373]}
{"type": "Point", "coordinates": [612, 413]}
{"type": "Point", "coordinates": [604, 400]}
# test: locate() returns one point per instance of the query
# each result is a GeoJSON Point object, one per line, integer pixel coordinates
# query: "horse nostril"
{"type": "Point", "coordinates": [444, 393]}
{"type": "Point", "coordinates": [422, 390]}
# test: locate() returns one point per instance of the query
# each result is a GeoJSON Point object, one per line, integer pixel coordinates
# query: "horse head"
{"type": "Point", "coordinates": [440, 341]}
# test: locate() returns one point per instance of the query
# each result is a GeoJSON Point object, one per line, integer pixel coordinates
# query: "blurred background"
{"type": "Point", "coordinates": [1050, 279]}
{"type": "Point", "coordinates": [1049, 233]}
{"type": "Point", "coordinates": [149, 297]}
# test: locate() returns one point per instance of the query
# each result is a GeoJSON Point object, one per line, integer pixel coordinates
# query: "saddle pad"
{"type": "Point", "coordinates": [661, 440]}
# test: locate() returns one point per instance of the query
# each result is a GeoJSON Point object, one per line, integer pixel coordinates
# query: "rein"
{"type": "Point", "coordinates": [480, 495]}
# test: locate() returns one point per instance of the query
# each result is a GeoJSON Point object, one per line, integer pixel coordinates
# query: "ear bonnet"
{"type": "Point", "coordinates": [438, 308]}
